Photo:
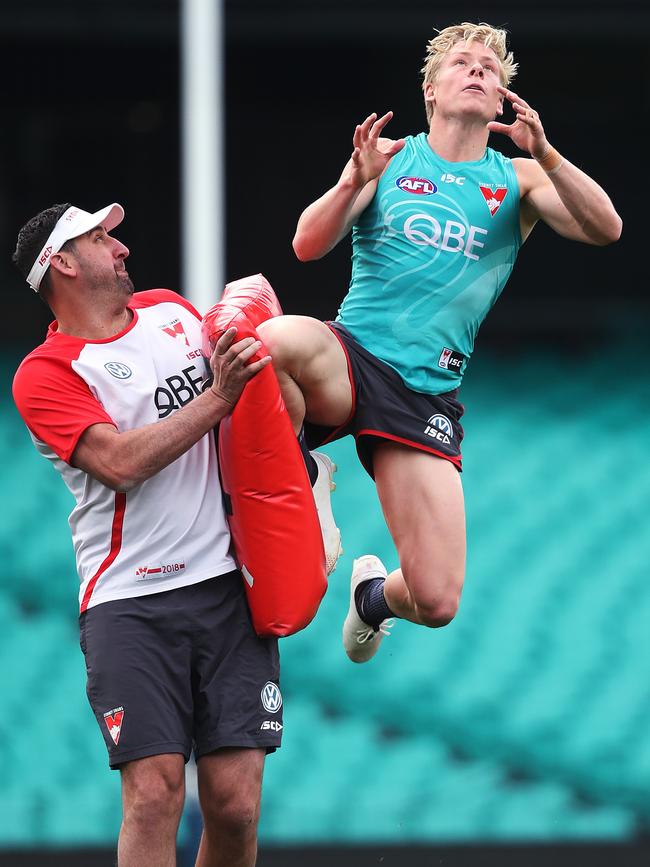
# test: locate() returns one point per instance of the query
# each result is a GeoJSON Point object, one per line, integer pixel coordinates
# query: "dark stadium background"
{"type": "Point", "coordinates": [90, 115]}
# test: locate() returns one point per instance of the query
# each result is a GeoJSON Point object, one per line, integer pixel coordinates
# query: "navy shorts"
{"type": "Point", "coordinates": [383, 407]}
{"type": "Point", "coordinates": [181, 670]}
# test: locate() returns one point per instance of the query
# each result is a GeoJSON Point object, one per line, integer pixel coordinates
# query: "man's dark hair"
{"type": "Point", "coordinates": [31, 239]}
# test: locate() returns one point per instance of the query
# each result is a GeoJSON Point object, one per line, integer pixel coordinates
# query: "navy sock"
{"type": "Point", "coordinates": [371, 602]}
{"type": "Point", "coordinates": [310, 462]}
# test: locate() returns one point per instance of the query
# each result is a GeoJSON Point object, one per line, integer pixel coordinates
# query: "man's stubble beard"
{"type": "Point", "coordinates": [125, 283]}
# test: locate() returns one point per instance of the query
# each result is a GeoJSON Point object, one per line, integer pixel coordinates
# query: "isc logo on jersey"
{"type": "Point", "coordinates": [418, 186]}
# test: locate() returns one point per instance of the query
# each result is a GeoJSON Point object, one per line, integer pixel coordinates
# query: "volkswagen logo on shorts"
{"type": "Point", "coordinates": [118, 370]}
{"type": "Point", "coordinates": [439, 427]}
{"type": "Point", "coordinates": [271, 697]}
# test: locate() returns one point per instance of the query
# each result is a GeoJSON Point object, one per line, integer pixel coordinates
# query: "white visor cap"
{"type": "Point", "coordinates": [71, 224]}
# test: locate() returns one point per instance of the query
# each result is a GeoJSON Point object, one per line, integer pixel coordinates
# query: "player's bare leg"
{"type": "Point", "coordinates": [422, 499]}
{"type": "Point", "coordinates": [305, 351]}
{"type": "Point", "coordinates": [153, 791]}
{"type": "Point", "coordinates": [230, 786]}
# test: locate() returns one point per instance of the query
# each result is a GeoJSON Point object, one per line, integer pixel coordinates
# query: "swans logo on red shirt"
{"type": "Point", "coordinates": [418, 186]}
{"type": "Point", "coordinates": [493, 198]}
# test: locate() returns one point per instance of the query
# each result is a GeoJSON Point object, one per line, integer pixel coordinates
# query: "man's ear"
{"type": "Point", "coordinates": [500, 107]}
{"type": "Point", "coordinates": [64, 263]}
{"type": "Point", "coordinates": [430, 93]}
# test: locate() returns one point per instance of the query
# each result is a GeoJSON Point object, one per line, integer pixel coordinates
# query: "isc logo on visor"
{"type": "Point", "coordinates": [418, 186]}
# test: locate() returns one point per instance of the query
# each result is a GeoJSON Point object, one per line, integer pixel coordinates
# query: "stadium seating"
{"type": "Point", "coordinates": [525, 719]}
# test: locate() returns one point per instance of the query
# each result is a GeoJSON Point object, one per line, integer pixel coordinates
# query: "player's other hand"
{"type": "Point", "coordinates": [371, 154]}
{"type": "Point", "coordinates": [526, 131]}
{"type": "Point", "coordinates": [232, 366]}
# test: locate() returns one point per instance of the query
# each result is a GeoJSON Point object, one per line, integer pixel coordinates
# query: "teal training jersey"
{"type": "Point", "coordinates": [430, 256]}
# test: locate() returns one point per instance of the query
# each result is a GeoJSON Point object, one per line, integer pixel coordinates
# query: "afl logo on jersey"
{"type": "Point", "coordinates": [271, 697]}
{"type": "Point", "coordinates": [418, 186]}
{"type": "Point", "coordinates": [118, 370]}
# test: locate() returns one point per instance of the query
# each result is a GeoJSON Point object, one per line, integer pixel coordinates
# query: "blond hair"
{"type": "Point", "coordinates": [440, 45]}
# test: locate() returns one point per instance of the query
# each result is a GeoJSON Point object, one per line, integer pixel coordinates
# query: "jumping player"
{"type": "Point", "coordinates": [437, 221]}
{"type": "Point", "coordinates": [117, 399]}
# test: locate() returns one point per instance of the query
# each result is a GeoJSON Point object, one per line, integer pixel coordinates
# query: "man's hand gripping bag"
{"type": "Point", "coordinates": [272, 514]}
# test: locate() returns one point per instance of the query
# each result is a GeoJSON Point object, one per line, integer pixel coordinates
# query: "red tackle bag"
{"type": "Point", "coordinates": [271, 510]}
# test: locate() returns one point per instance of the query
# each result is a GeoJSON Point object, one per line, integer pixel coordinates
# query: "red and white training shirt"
{"type": "Point", "coordinates": [171, 530]}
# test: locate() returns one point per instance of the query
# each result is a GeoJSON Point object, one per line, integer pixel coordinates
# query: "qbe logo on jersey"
{"type": "Point", "coordinates": [417, 186]}
{"type": "Point", "coordinates": [439, 428]}
{"type": "Point", "coordinates": [271, 697]}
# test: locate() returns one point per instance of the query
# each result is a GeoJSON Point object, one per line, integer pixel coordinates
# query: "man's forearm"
{"type": "Point", "coordinates": [587, 202]}
{"type": "Point", "coordinates": [123, 460]}
{"type": "Point", "coordinates": [322, 225]}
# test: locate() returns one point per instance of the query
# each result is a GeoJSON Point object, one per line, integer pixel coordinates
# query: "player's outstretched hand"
{"type": "Point", "coordinates": [370, 156]}
{"type": "Point", "coordinates": [526, 131]}
{"type": "Point", "coordinates": [232, 367]}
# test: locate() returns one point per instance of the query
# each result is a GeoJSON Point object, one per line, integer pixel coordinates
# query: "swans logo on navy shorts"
{"type": "Point", "coordinates": [418, 186]}
{"type": "Point", "coordinates": [439, 428]}
{"type": "Point", "coordinates": [271, 697]}
{"type": "Point", "coordinates": [113, 719]}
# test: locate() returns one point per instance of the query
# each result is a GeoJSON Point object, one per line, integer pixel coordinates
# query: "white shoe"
{"type": "Point", "coordinates": [360, 640]}
{"type": "Point", "coordinates": [322, 490]}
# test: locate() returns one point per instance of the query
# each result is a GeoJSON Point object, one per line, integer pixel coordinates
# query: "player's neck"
{"type": "Point", "coordinates": [93, 321]}
{"type": "Point", "coordinates": [456, 139]}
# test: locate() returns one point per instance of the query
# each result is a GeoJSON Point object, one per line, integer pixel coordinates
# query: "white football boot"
{"type": "Point", "coordinates": [360, 640]}
{"type": "Point", "coordinates": [322, 489]}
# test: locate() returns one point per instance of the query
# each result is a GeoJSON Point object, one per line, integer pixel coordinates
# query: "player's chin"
{"type": "Point", "coordinates": [481, 116]}
{"type": "Point", "coordinates": [488, 116]}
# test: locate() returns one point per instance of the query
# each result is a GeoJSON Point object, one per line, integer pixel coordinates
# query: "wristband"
{"type": "Point", "coordinates": [551, 161]}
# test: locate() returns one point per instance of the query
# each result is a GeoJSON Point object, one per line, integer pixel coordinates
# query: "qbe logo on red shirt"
{"type": "Point", "coordinates": [417, 186]}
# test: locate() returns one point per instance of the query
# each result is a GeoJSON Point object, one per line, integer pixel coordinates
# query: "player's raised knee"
{"type": "Point", "coordinates": [439, 610]}
{"type": "Point", "coordinates": [436, 601]}
{"type": "Point", "coordinates": [275, 333]}
{"type": "Point", "coordinates": [288, 340]}
{"type": "Point", "coordinates": [434, 590]}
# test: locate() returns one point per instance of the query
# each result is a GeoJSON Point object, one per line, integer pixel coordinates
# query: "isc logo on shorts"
{"type": "Point", "coordinates": [440, 428]}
